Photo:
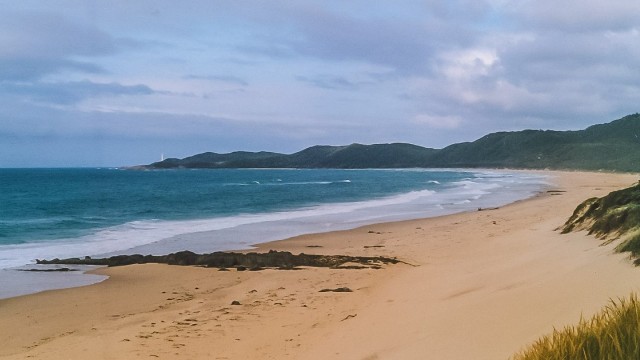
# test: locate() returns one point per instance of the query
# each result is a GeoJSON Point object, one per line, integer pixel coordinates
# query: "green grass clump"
{"type": "Point", "coordinates": [632, 245]}
{"type": "Point", "coordinates": [612, 334]}
{"type": "Point", "coordinates": [615, 216]}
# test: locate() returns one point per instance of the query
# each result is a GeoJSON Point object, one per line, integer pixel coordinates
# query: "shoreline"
{"type": "Point", "coordinates": [475, 279]}
{"type": "Point", "coordinates": [240, 233]}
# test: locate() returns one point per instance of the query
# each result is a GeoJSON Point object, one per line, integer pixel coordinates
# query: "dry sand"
{"type": "Point", "coordinates": [481, 285]}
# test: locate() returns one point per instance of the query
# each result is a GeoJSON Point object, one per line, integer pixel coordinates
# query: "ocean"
{"type": "Point", "coordinates": [49, 213]}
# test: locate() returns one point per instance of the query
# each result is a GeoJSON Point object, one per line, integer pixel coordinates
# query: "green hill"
{"type": "Point", "coordinates": [614, 146]}
{"type": "Point", "coordinates": [377, 156]}
{"type": "Point", "coordinates": [354, 156]}
{"type": "Point", "coordinates": [213, 160]}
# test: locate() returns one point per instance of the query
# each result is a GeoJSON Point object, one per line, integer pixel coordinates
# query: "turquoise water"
{"type": "Point", "coordinates": [47, 213]}
{"type": "Point", "coordinates": [50, 204]}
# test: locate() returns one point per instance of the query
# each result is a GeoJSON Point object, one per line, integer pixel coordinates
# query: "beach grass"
{"type": "Point", "coordinates": [632, 245]}
{"type": "Point", "coordinates": [614, 217]}
{"type": "Point", "coordinates": [614, 333]}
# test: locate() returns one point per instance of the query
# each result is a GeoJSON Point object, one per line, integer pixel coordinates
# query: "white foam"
{"type": "Point", "coordinates": [234, 232]}
{"type": "Point", "coordinates": [487, 189]}
{"type": "Point", "coordinates": [279, 182]}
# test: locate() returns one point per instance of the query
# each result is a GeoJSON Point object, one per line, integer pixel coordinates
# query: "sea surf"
{"type": "Point", "coordinates": [49, 213]}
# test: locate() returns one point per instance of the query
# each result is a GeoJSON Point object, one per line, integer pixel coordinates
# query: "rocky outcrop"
{"type": "Point", "coordinates": [223, 260]}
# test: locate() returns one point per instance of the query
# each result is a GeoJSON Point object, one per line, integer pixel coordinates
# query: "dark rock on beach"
{"type": "Point", "coordinates": [240, 261]}
{"type": "Point", "coordinates": [64, 269]}
{"type": "Point", "coordinates": [340, 289]}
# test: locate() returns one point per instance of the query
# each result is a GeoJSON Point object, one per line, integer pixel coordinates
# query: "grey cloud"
{"type": "Point", "coordinates": [553, 56]}
{"type": "Point", "coordinates": [400, 46]}
{"type": "Point", "coordinates": [330, 82]}
{"type": "Point", "coordinates": [65, 93]}
{"type": "Point", "coordinates": [498, 105]}
{"type": "Point", "coordinates": [220, 78]}
{"type": "Point", "coordinates": [37, 33]}
{"type": "Point", "coordinates": [177, 131]}
{"type": "Point", "coordinates": [408, 46]}
{"type": "Point", "coordinates": [458, 10]}
{"type": "Point", "coordinates": [33, 45]}
{"type": "Point", "coordinates": [271, 48]}
{"type": "Point", "coordinates": [30, 68]}
{"type": "Point", "coordinates": [285, 29]}
{"type": "Point", "coordinates": [552, 72]}
{"type": "Point", "coordinates": [570, 75]}
{"type": "Point", "coordinates": [577, 15]}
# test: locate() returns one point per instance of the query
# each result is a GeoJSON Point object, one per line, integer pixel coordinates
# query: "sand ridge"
{"type": "Point", "coordinates": [477, 285]}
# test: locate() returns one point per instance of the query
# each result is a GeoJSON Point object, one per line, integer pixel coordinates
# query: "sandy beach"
{"type": "Point", "coordinates": [477, 285]}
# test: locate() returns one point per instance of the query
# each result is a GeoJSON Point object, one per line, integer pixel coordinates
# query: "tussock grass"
{"type": "Point", "coordinates": [631, 244]}
{"type": "Point", "coordinates": [612, 334]}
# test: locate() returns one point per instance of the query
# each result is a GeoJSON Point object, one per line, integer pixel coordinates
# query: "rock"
{"type": "Point", "coordinates": [223, 260]}
{"type": "Point", "coordinates": [235, 302]}
{"type": "Point", "coordinates": [64, 269]}
{"type": "Point", "coordinates": [340, 289]}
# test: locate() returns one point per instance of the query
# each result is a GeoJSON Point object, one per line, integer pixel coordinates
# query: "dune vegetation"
{"type": "Point", "coordinates": [612, 334]}
{"type": "Point", "coordinates": [614, 217]}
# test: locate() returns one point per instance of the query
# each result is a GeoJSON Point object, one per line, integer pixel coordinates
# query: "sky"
{"type": "Point", "coordinates": [113, 83]}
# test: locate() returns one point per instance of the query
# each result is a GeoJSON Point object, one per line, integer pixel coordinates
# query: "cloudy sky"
{"type": "Point", "coordinates": [109, 83]}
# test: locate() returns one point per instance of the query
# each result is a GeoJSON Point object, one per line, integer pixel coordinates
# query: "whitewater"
{"type": "Point", "coordinates": [49, 213]}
